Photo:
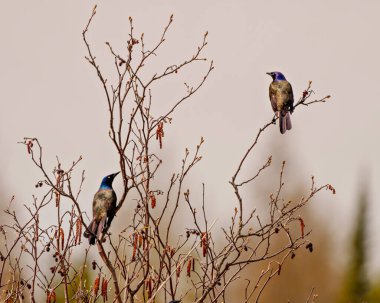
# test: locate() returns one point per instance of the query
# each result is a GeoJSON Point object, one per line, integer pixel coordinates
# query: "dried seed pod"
{"type": "Point", "coordinates": [188, 269]}
{"type": "Point", "coordinates": [160, 133]}
{"type": "Point", "coordinates": [78, 231]}
{"type": "Point", "coordinates": [152, 200]}
{"type": "Point", "coordinates": [204, 243]}
{"type": "Point", "coordinates": [150, 288]}
{"type": "Point", "coordinates": [135, 243]}
{"type": "Point", "coordinates": [62, 237]}
{"type": "Point", "coordinates": [148, 285]}
{"type": "Point", "coordinates": [104, 289]}
{"type": "Point", "coordinates": [96, 285]}
{"type": "Point", "coordinates": [302, 224]}
{"type": "Point", "coordinates": [57, 198]}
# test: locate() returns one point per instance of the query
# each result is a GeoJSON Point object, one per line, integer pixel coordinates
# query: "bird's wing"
{"type": "Point", "coordinates": [100, 203]}
{"type": "Point", "coordinates": [287, 91]}
{"type": "Point", "coordinates": [112, 209]}
{"type": "Point", "coordinates": [273, 96]}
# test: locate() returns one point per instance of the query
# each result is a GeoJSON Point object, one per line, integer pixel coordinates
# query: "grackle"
{"type": "Point", "coordinates": [103, 209]}
{"type": "Point", "coordinates": [281, 99]}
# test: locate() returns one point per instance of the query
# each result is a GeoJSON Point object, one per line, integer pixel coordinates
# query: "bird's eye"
{"type": "Point", "coordinates": [108, 177]}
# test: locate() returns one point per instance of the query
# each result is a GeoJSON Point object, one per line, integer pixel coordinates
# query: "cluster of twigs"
{"type": "Point", "coordinates": [151, 259]}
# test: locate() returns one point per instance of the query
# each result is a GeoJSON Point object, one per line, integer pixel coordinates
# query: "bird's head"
{"type": "Point", "coordinates": [107, 181]}
{"type": "Point", "coordinates": [276, 76]}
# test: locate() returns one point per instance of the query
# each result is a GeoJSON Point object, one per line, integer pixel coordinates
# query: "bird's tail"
{"type": "Point", "coordinates": [285, 123]}
{"type": "Point", "coordinates": [94, 230]}
{"type": "Point", "coordinates": [91, 232]}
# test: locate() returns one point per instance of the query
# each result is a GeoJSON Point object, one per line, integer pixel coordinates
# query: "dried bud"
{"type": "Point", "coordinates": [309, 246]}
{"type": "Point", "coordinates": [93, 265]}
{"type": "Point", "coordinates": [329, 187]}
{"type": "Point", "coordinates": [29, 146]}
{"type": "Point", "coordinates": [293, 255]}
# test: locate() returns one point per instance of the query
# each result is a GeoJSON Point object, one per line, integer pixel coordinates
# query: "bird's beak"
{"type": "Point", "coordinates": [115, 174]}
{"type": "Point", "coordinates": [269, 74]}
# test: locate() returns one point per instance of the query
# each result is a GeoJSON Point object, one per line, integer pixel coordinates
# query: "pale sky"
{"type": "Point", "coordinates": [49, 91]}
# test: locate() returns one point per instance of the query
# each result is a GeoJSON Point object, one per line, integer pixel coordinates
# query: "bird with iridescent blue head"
{"type": "Point", "coordinates": [103, 209]}
{"type": "Point", "coordinates": [281, 99]}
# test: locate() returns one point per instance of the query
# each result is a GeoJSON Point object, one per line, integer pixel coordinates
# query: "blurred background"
{"type": "Point", "coordinates": [49, 91]}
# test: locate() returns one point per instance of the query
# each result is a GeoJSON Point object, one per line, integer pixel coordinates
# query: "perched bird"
{"type": "Point", "coordinates": [281, 98]}
{"type": "Point", "coordinates": [103, 209]}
